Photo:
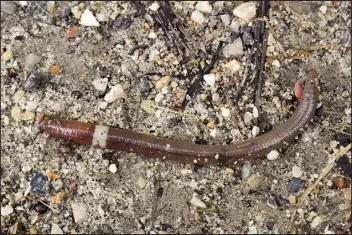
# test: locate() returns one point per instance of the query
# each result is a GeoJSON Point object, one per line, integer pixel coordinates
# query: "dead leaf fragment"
{"type": "Point", "coordinates": [52, 176]}
{"type": "Point", "coordinates": [57, 198]}
{"type": "Point", "coordinates": [72, 32]}
{"type": "Point", "coordinates": [55, 70]}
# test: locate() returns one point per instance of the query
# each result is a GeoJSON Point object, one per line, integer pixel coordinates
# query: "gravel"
{"type": "Point", "coordinates": [245, 11]}
{"type": "Point", "coordinates": [8, 7]}
{"type": "Point", "coordinates": [6, 210]}
{"type": "Point", "coordinates": [80, 212]}
{"type": "Point", "coordinates": [104, 52]}
{"type": "Point", "coordinates": [294, 185]}
{"type": "Point", "coordinates": [88, 19]}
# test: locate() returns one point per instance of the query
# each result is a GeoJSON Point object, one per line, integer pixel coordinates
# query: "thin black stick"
{"type": "Point", "coordinates": [261, 37]}
{"type": "Point", "coordinates": [196, 84]}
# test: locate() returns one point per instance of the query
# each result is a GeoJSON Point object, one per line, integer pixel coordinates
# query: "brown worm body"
{"type": "Point", "coordinates": [114, 138]}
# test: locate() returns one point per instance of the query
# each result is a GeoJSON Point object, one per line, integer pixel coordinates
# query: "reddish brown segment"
{"type": "Point", "coordinates": [192, 153]}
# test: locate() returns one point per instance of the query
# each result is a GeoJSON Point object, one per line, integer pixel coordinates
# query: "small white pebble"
{"type": "Point", "coordinates": [273, 155]}
{"type": "Point", "coordinates": [101, 17]}
{"type": "Point", "coordinates": [31, 106]}
{"type": "Point", "coordinates": [197, 202]}
{"type": "Point", "coordinates": [276, 63]}
{"type": "Point", "coordinates": [245, 11]}
{"type": "Point", "coordinates": [232, 65]}
{"type": "Point", "coordinates": [155, 6]}
{"type": "Point", "coordinates": [225, 19]}
{"type": "Point", "coordinates": [329, 183]}
{"type": "Point", "coordinates": [255, 112]}
{"type": "Point", "coordinates": [100, 84]}
{"type": "Point", "coordinates": [233, 49]}
{"type": "Point", "coordinates": [165, 90]}
{"type": "Point", "coordinates": [215, 133]}
{"type": "Point", "coordinates": [277, 102]}
{"type": "Point", "coordinates": [174, 84]}
{"type": "Point", "coordinates": [316, 222]}
{"type": "Point", "coordinates": [6, 210]}
{"type": "Point", "coordinates": [159, 97]}
{"type": "Point", "coordinates": [158, 113]}
{"type": "Point", "coordinates": [18, 96]}
{"type": "Point", "coordinates": [235, 25]}
{"type": "Point", "coordinates": [246, 170]}
{"type": "Point", "coordinates": [247, 117]}
{"type": "Point", "coordinates": [141, 182]}
{"type": "Point", "coordinates": [255, 131]}
{"type": "Point", "coordinates": [146, 105]}
{"type": "Point", "coordinates": [204, 7]}
{"type": "Point", "coordinates": [252, 230]}
{"type": "Point", "coordinates": [215, 97]}
{"type": "Point", "coordinates": [88, 19]}
{"type": "Point", "coordinates": [333, 144]}
{"type": "Point", "coordinates": [347, 111]}
{"type": "Point", "coordinates": [323, 9]}
{"type": "Point", "coordinates": [164, 81]}
{"type": "Point", "coordinates": [209, 79]}
{"type": "Point", "coordinates": [115, 93]}
{"type": "Point", "coordinates": [197, 17]}
{"type": "Point", "coordinates": [103, 105]}
{"type": "Point", "coordinates": [225, 112]}
{"type": "Point", "coordinates": [55, 229]}
{"type": "Point", "coordinates": [152, 35]}
{"type": "Point", "coordinates": [106, 162]}
{"type": "Point", "coordinates": [296, 172]}
{"type": "Point", "coordinates": [113, 168]}
{"type": "Point", "coordinates": [203, 96]}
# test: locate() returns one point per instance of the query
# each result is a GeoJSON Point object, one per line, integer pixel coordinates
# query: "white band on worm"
{"type": "Point", "coordinates": [100, 136]}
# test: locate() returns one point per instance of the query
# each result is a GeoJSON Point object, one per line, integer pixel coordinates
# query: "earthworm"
{"type": "Point", "coordinates": [189, 153]}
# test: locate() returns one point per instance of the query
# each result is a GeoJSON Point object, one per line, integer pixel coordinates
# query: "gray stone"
{"type": "Point", "coordinates": [8, 7]}
{"type": "Point", "coordinates": [80, 212]}
{"type": "Point", "coordinates": [31, 60]}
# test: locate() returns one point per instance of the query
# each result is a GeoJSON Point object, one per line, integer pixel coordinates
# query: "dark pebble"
{"type": "Point", "coordinates": [270, 225]}
{"type": "Point", "coordinates": [76, 94]}
{"type": "Point", "coordinates": [6, 80]}
{"type": "Point", "coordinates": [11, 72]}
{"type": "Point", "coordinates": [63, 12]}
{"type": "Point", "coordinates": [247, 37]}
{"type": "Point", "coordinates": [319, 111]}
{"type": "Point", "coordinates": [122, 23]}
{"type": "Point", "coordinates": [40, 208]}
{"type": "Point", "coordinates": [166, 227]}
{"type": "Point", "coordinates": [281, 201]}
{"type": "Point", "coordinates": [64, 148]}
{"type": "Point", "coordinates": [144, 87]}
{"type": "Point", "coordinates": [343, 139]}
{"type": "Point", "coordinates": [39, 183]}
{"type": "Point", "coordinates": [345, 165]}
{"type": "Point", "coordinates": [172, 122]}
{"type": "Point", "coordinates": [105, 73]}
{"type": "Point", "coordinates": [272, 202]}
{"type": "Point", "coordinates": [79, 157]}
{"type": "Point", "coordinates": [104, 229]}
{"type": "Point", "coordinates": [294, 185]}
{"type": "Point", "coordinates": [34, 81]}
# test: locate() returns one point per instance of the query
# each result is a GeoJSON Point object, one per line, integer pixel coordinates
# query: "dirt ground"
{"type": "Point", "coordinates": [49, 185]}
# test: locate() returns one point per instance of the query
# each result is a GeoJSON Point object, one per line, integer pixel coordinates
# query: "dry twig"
{"type": "Point", "coordinates": [323, 173]}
